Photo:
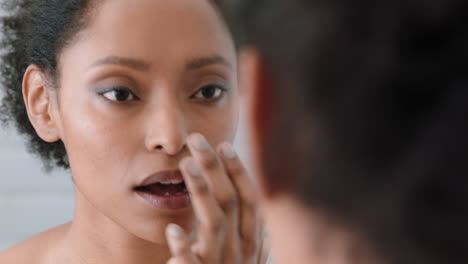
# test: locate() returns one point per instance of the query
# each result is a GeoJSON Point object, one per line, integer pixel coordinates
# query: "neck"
{"type": "Point", "coordinates": [93, 238]}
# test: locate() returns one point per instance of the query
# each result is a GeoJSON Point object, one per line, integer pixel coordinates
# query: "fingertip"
{"type": "Point", "coordinates": [173, 261]}
{"type": "Point", "coordinates": [174, 231]}
{"type": "Point", "coordinates": [226, 150]}
{"type": "Point", "coordinates": [198, 142]}
{"type": "Point", "coordinates": [195, 248]}
{"type": "Point", "coordinates": [177, 240]}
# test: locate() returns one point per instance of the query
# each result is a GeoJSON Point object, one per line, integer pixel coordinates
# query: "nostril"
{"type": "Point", "coordinates": [169, 149]}
{"type": "Point", "coordinates": [159, 147]}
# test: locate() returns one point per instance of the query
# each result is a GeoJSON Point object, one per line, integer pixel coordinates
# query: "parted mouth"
{"type": "Point", "coordinates": [164, 183]}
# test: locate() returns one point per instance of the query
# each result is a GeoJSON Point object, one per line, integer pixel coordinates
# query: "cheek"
{"type": "Point", "coordinates": [218, 125]}
{"type": "Point", "coordinates": [96, 145]}
{"type": "Point", "coordinates": [88, 137]}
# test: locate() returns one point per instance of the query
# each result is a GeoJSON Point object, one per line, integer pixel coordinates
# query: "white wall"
{"type": "Point", "coordinates": [30, 199]}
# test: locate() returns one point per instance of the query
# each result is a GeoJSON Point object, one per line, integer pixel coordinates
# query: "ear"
{"type": "Point", "coordinates": [255, 81]}
{"type": "Point", "coordinates": [39, 101]}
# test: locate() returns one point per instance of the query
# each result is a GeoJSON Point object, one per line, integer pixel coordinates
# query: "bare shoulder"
{"type": "Point", "coordinates": [36, 249]}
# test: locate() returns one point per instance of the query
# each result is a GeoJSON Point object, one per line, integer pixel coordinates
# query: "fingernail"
{"type": "Point", "coordinates": [199, 142]}
{"type": "Point", "coordinates": [193, 168]}
{"type": "Point", "coordinates": [174, 230]}
{"type": "Point", "coordinates": [228, 151]}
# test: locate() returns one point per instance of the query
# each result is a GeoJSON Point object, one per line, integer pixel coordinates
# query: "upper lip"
{"type": "Point", "coordinates": [162, 176]}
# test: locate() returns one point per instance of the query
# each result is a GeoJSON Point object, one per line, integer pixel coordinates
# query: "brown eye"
{"type": "Point", "coordinates": [209, 92]}
{"type": "Point", "coordinates": [119, 94]}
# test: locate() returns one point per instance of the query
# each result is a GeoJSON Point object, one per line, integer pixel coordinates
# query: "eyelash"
{"type": "Point", "coordinates": [132, 96]}
{"type": "Point", "coordinates": [220, 88]}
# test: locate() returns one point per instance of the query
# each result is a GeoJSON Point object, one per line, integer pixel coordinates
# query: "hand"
{"type": "Point", "coordinates": [223, 198]}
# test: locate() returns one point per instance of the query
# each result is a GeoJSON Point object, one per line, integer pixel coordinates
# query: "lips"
{"type": "Point", "coordinates": [164, 190]}
{"type": "Point", "coordinates": [162, 176]}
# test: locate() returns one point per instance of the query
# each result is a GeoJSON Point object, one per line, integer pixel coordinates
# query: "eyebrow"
{"type": "Point", "coordinates": [135, 64]}
{"type": "Point", "coordinates": [141, 65]}
{"type": "Point", "coordinates": [201, 62]}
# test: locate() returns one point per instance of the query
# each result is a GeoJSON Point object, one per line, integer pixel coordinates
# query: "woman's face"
{"type": "Point", "coordinates": [137, 81]}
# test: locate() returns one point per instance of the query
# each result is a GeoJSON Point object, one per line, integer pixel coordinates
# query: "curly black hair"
{"type": "Point", "coordinates": [371, 106]}
{"type": "Point", "coordinates": [35, 32]}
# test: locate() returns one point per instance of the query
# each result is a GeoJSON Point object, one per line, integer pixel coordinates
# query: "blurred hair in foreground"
{"type": "Point", "coordinates": [371, 107]}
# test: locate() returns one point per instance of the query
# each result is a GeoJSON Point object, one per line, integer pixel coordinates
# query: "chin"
{"type": "Point", "coordinates": [154, 230]}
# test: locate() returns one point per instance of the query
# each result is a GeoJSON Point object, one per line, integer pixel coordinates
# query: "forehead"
{"type": "Point", "coordinates": [155, 30]}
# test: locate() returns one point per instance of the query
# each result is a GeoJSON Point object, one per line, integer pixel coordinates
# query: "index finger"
{"type": "Point", "coordinates": [214, 172]}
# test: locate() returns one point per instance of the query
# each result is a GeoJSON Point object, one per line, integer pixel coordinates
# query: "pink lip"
{"type": "Point", "coordinates": [175, 202]}
{"type": "Point", "coordinates": [169, 175]}
{"type": "Point", "coordinates": [171, 202]}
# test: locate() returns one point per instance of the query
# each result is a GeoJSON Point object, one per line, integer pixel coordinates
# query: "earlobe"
{"type": "Point", "coordinates": [38, 101]}
{"type": "Point", "coordinates": [255, 82]}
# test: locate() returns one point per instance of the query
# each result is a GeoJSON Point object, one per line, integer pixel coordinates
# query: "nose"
{"type": "Point", "coordinates": [166, 132]}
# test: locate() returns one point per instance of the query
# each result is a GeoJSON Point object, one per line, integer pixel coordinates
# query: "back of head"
{"type": "Point", "coordinates": [371, 100]}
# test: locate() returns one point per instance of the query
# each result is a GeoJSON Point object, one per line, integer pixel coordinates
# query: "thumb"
{"type": "Point", "coordinates": [180, 246]}
{"type": "Point", "coordinates": [179, 242]}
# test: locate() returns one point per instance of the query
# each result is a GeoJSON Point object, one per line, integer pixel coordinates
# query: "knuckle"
{"type": "Point", "coordinates": [205, 251]}
{"type": "Point", "coordinates": [217, 224]}
{"type": "Point", "coordinates": [236, 169]}
{"type": "Point", "coordinates": [250, 207]}
{"type": "Point", "coordinates": [209, 252]}
{"type": "Point", "coordinates": [228, 202]}
{"type": "Point", "coordinates": [201, 188]}
{"type": "Point", "coordinates": [210, 162]}
{"type": "Point", "coordinates": [250, 248]}
{"type": "Point", "coordinates": [249, 201]}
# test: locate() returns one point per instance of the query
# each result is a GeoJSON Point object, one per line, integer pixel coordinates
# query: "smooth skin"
{"type": "Point", "coordinates": [134, 85]}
